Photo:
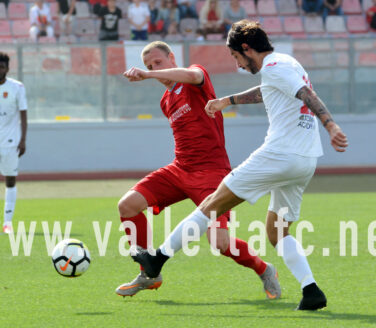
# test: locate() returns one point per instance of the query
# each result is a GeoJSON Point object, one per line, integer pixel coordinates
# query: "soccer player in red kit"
{"type": "Point", "coordinates": [201, 162]}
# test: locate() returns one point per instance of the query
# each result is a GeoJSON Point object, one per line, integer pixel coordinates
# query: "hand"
{"type": "Point", "coordinates": [337, 138]}
{"type": "Point", "coordinates": [66, 18]}
{"type": "Point", "coordinates": [216, 105]}
{"type": "Point", "coordinates": [136, 74]}
{"type": "Point", "coordinates": [21, 148]}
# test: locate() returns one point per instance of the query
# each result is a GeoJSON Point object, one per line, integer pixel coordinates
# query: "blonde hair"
{"type": "Point", "coordinates": [156, 44]}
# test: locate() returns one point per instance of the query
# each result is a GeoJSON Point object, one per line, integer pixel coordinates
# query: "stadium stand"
{"type": "Point", "coordinates": [279, 17]}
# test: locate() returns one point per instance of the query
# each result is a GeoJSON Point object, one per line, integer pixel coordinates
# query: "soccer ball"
{"type": "Point", "coordinates": [71, 258]}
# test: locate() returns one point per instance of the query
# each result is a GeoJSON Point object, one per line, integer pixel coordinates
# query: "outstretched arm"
{"type": "Point", "coordinates": [182, 75]}
{"type": "Point", "coordinates": [337, 138]}
{"type": "Point", "coordinates": [251, 96]}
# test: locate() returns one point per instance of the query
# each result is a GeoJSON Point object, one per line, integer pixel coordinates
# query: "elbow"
{"type": "Point", "coordinates": [196, 77]}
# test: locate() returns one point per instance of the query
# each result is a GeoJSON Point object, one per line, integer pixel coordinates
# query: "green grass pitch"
{"type": "Point", "coordinates": [201, 291]}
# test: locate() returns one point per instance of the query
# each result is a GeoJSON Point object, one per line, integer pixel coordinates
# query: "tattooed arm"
{"type": "Point", "coordinates": [337, 138]}
{"type": "Point", "coordinates": [251, 96]}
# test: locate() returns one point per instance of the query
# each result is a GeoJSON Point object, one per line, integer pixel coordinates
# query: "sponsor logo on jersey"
{"type": "Point", "coordinates": [5, 94]}
{"type": "Point", "coordinates": [271, 64]}
{"type": "Point", "coordinates": [179, 113]}
{"type": "Point", "coordinates": [178, 90]}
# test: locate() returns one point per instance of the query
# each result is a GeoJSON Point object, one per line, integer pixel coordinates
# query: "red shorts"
{"type": "Point", "coordinates": [171, 184]}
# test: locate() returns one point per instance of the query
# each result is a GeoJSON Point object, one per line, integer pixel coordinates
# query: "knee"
{"type": "Point", "coordinates": [126, 210]}
{"type": "Point", "coordinates": [272, 236]}
{"type": "Point", "coordinates": [222, 241]}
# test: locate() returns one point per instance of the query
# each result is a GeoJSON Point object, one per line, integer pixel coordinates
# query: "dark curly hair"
{"type": "Point", "coordinates": [248, 32]}
{"type": "Point", "coordinates": [4, 58]}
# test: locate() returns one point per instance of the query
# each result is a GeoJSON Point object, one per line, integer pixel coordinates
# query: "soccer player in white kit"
{"type": "Point", "coordinates": [13, 126]}
{"type": "Point", "coordinates": [282, 166]}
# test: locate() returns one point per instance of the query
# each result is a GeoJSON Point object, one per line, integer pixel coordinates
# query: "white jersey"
{"type": "Point", "coordinates": [40, 16]}
{"type": "Point", "coordinates": [12, 100]}
{"type": "Point", "coordinates": [293, 127]}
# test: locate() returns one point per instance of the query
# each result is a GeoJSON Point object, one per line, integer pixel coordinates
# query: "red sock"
{"type": "Point", "coordinates": [142, 230]}
{"type": "Point", "coordinates": [246, 259]}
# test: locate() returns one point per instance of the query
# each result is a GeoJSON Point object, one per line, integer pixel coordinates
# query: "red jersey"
{"type": "Point", "coordinates": [199, 139]}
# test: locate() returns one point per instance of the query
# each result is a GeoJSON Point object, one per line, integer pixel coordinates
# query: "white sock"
{"type": "Point", "coordinates": [10, 203]}
{"type": "Point", "coordinates": [174, 241]}
{"type": "Point", "coordinates": [295, 260]}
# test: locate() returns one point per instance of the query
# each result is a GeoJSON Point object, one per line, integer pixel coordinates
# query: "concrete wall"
{"type": "Point", "coordinates": [148, 144]}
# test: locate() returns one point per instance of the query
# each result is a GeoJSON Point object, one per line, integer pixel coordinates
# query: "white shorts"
{"type": "Point", "coordinates": [285, 176]}
{"type": "Point", "coordinates": [9, 161]}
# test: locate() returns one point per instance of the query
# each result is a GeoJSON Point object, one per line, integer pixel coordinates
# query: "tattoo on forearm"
{"type": "Point", "coordinates": [315, 104]}
{"type": "Point", "coordinates": [251, 96]}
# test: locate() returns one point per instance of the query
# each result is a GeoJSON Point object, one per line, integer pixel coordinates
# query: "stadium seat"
{"type": "Point", "coordinates": [53, 9]}
{"type": "Point", "coordinates": [3, 11]}
{"type": "Point", "coordinates": [288, 7]}
{"type": "Point", "coordinates": [68, 39]}
{"type": "Point", "coordinates": [367, 4]}
{"type": "Point", "coordinates": [249, 7]}
{"type": "Point", "coordinates": [45, 39]}
{"type": "Point", "coordinates": [82, 9]}
{"type": "Point", "coordinates": [124, 28]}
{"type": "Point", "coordinates": [20, 28]}
{"type": "Point", "coordinates": [5, 29]}
{"type": "Point", "coordinates": [314, 25]}
{"type": "Point", "coordinates": [17, 11]}
{"type": "Point", "coordinates": [214, 37]}
{"type": "Point", "coordinates": [188, 26]}
{"type": "Point", "coordinates": [85, 27]}
{"type": "Point", "coordinates": [266, 8]}
{"type": "Point", "coordinates": [367, 59]}
{"type": "Point", "coordinates": [351, 7]}
{"type": "Point", "coordinates": [357, 24]}
{"type": "Point", "coordinates": [335, 24]}
{"type": "Point", "coordinates": [173, 38]}
{"type": "Point", "coordinates": [293, 25]}
{"type": "Point", "coordinates": [272, 25]}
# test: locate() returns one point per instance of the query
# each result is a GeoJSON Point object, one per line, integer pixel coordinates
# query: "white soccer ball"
{"type": "Point", "coordinates": [71, 258]}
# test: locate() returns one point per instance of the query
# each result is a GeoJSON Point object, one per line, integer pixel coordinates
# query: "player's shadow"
{"type": "Point", "coordinates": [41, 234]}
{"type": "Point", "coordinates": [278, 304]}
{"type": "Point", "coordinates": [94, 313]}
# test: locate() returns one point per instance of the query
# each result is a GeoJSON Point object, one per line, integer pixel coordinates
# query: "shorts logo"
{"type": "Point", "coordinates": [178, 90]}
{"type": "Point", "coordinates": [5, 94]}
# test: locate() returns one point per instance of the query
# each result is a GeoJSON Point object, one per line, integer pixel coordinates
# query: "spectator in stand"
{"type": "Point", "coordinates": [139, 16]}
{"type": "Point", "coordinates": [371, 15]}
{"type": "Point", "coordinates": [233, 13]}
{"type": "Point", "coordinates": [169, 15]}
{"type": "Point", "coordinates": [40, 21]}
{"type": "Point", "coordinates": [155, 24]}
{"type": "Point", "coordinates": [66, 10]}
{"type": "Point", "coordinates": [310, 7]}
{"type": "Point", "coordinates": [96, 6]}
{"type": "Point", "coordinates": [187, 8]}
{"type": "Point", "coordinates": [211, 18]}
{"type": "Point", "coordinates": [110, 16]}
{"type": "Point", "coordinates": [332, 7]}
